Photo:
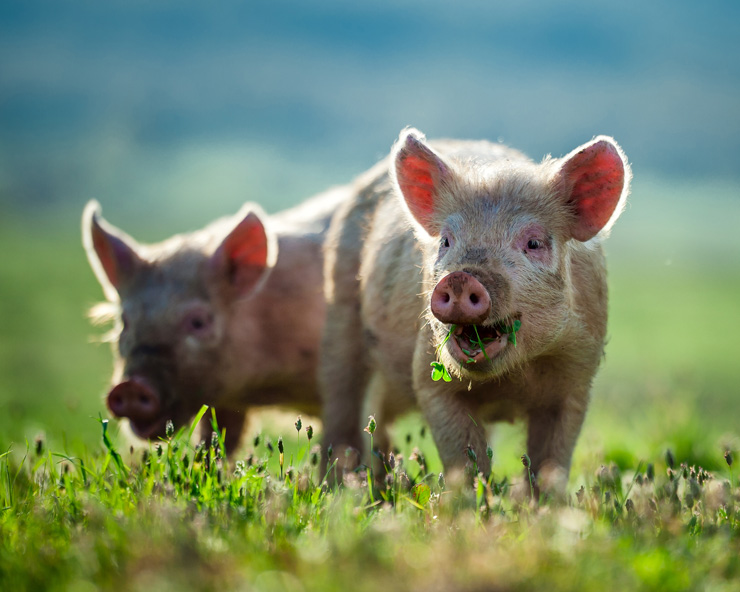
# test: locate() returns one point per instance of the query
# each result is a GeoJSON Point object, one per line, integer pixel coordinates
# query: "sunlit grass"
{"type": "Point", "coordinates": [182, 515]}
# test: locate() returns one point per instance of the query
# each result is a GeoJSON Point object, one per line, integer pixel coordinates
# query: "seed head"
{"type": "Point", "coordinates": [280, 445]}
{"type": "Point", "coordinates": [391, 460]}
{"type": "Point", "coordinates": [650, 472]}
{"type": "Point", "coordinates": [669, 458]}
{"type": "Point", "coordinates": [309, 432]}
{"type": "Point", "coordinates": [441, 481]}
{"type": "Point", "coordinates": [728, 458]}
{"type": "Point", "coordinates": [471, 453]}
{"type": "Point", "coordinates": [169, 428]}
{"type": "Point", "coordinates": [489, 453]}
{"type": "Point", "coordinates": [256, 440]}
{"type": "Point", "coordinates": [329, 450]}
{"type": "Point", "coordinates": [298, 424]}
{"type": "Point", "coordinates": [371, 425]}
{"type": "Point", "coordinates": [39, 445]}
{"type": "Point", "coordinates": [525, 461]}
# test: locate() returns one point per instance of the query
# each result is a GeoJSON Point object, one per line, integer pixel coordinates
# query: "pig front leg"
{"type": "Point", "coordinates": [452, 420]}
{"type": "Point", "coordinates": [551, 438]}
{"type": "Point", "coordinates": [233, 420]}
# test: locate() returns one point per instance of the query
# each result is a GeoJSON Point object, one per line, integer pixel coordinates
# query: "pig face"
{"type": "Point", "coordinates": [172, 305]}
{"type": "Point", "coordinates": [498, 238]}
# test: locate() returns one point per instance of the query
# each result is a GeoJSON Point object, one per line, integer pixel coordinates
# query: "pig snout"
{"type": "Point", "coordinates": [460, 299]}
{"type": "Point", "coordinates": [134, 398]}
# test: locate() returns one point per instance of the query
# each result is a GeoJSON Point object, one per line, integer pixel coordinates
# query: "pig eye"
{"type": "Point", "coordinates": [533, 244]}
{"type": "Point", "coordinates": [198, 322]}
{"type": "Point", "coordinates": [445, 242]}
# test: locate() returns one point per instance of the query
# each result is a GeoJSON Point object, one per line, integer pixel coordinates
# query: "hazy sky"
{"type": "Point", "coordinates": [183, 103]}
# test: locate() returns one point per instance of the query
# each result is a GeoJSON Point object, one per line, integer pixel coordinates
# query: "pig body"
{"type": "Point", "coordinates": [454, 238]}
{"type": "Point", "coordinates": [229, 316]}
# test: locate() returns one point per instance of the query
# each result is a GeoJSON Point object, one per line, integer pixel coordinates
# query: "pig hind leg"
{"type": "Point", "coordinates": [344, 381]}
{"type": "Point", "coordinates": [377, 404]}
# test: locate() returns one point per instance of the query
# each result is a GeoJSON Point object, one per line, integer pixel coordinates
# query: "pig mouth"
{"type": "Point", "coordinates": [149, 430]}
{"type": "Point", "coordinates": [473, 344]}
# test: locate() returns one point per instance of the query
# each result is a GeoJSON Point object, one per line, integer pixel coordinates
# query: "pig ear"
{"type": "Point", "coordinates": [595, 178]}
{"type": "Point", "coordinates": [247, 254]}
{"type": "Point", "coordinates": [419, 173]}
{"type": "Point", "coordinates": [111, 252]}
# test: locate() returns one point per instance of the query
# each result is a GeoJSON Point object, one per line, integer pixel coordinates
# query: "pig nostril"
{"type": "Point", "coordinates": [445, 297]}
{"type": "Point", "coordinates": [474, 298]}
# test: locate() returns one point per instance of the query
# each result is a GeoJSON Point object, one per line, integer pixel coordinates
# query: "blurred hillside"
{"type": "Point", "coordinates": [185, 109]}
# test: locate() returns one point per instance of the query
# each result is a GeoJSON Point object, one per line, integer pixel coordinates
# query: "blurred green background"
{"type": "Point", "coordinates": [172, 114]}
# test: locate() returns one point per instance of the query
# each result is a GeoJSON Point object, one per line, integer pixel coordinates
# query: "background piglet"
{"type": "Point", "coordinates": [229, 316]}
{"type": "Point", "coordinates": [471, 240]}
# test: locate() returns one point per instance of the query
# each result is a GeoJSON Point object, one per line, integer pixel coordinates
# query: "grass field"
{"type": "Point", "coordinates": [83, 515]}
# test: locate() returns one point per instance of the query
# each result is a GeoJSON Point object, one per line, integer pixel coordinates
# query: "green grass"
{"type": "Point", "coordinates": [178, 517]}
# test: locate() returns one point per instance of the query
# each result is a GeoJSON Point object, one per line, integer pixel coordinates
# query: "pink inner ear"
{"type": "Point", "coordinates": [417, 185]}
{"type": "Point", "coordinates": [597, 175]}
{"type": "Point", "coordinates": [245, 250]}
{"type": "Point", "coordinates": [116, 258]}
{"type": "Point", "coordinates": [249, 253]}
{"type": "Point", "coordinates": [106, 258]}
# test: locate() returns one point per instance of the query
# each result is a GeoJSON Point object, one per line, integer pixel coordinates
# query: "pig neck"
{"type": "Point", "coordinates": [274, 335]}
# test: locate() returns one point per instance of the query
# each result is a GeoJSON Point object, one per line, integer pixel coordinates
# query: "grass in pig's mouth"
{"type": "Point", "coordinates": [474, 340]}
